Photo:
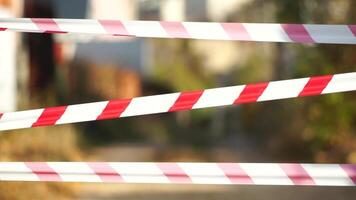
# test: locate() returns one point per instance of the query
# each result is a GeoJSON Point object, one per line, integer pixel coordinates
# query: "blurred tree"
{"type": "Point", "coordinates": [314, 128]}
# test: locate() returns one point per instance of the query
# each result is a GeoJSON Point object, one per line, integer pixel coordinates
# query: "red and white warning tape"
{"type": "Point", "coordinates": [189, 173]}
{"type": "Point", "coordinates": [301, 33]}
{"type": "Point", "coordinates": [179, 101]}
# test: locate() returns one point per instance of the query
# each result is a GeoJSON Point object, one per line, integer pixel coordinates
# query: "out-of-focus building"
{"type": "Point", "coordinates": [198, 10]}
{"type": "Point", "coordinates": [122, 9]}
{"type": "Point", "coordinates": [219, 10]}
{"type": "Point", "coordinates": [172, 10]}
{"type": "Point", "coordinates": [8, 50]}
{"type": "Point", "coordinates": [133, 54]}
{"type": "Point", "coordinates": [220, 56]}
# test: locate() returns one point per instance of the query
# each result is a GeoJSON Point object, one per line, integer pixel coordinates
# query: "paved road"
{"type": "Point", "coordinates": [210, 192]}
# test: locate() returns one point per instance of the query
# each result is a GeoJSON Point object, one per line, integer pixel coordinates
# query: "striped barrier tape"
{"type": "Point", "coordinates": [188, 173]}
{"type": "Point", "coordinates": [267, 32]}
{"type": "Point", "coordinates": [179, 101]}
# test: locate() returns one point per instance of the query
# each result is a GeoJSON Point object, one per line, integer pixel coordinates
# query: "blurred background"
{"type": "Point", "coordinates": [42, 70]}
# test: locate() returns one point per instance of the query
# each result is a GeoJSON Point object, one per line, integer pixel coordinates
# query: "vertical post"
{"type": "Point", "coordinates": [7, 62]}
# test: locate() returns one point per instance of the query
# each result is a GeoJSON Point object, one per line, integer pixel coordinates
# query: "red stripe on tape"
{"type": "Point", "coordinates": [174, 173]}
{"type": "Point", "coordinates": [315, 85]}
{"type": "Point", "coordinates": [175, 29]}
{"type": "Point", "coordinates": [186, 100]}
{"type": "Point", "coordinates": [236, 31]}
{"type": "Point", "coordinates": [114, 27]}
{"type": "Point", "coordinates": [3, 29]}
{"type": "Point", "coordinates": [43, 171]}
{"type": "Point", "coordinates": [106, 172]}
{"type": "Point", "coordinates": [1, 115]}
{"type": "Point", "coordinates": [353, 29]}
{"type": "Point", "coordinates": [114, 109]}
{"type": "Point", "coordinates": [251, 93]}
{"type": "Point", "coordinates": [297, 174]}
{"type": "Point", "coordinates": [47, 25]}
{"type": "Point", "coordinates": [297, 33]}
{"type": "Point", "coordinates": [235, 173]}
{"type": "Point", "coordinates": [350, 169]}
{"type": "Point", "coordinates": [50, 116]}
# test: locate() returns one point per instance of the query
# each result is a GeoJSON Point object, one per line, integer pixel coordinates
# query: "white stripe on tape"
{"type": "Point", "coordinates": [150, 104]}
{"type": "Point", "coordinates": [338, 34]}
{"type": "Point", "coordinates": [288, 88]}
{"type": "Point", "coordinates": [21, 119]}
{"type": "Point", "coordinates": [86, 112]}
{"type": "Point", "coordinates": [201, 30]}
{"type": "Point", "coordinates": [267, 32]}
{"type": "Point", "coordinates": [336, 176]}
{"type": "Point", "coordinates": [266, 174]}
